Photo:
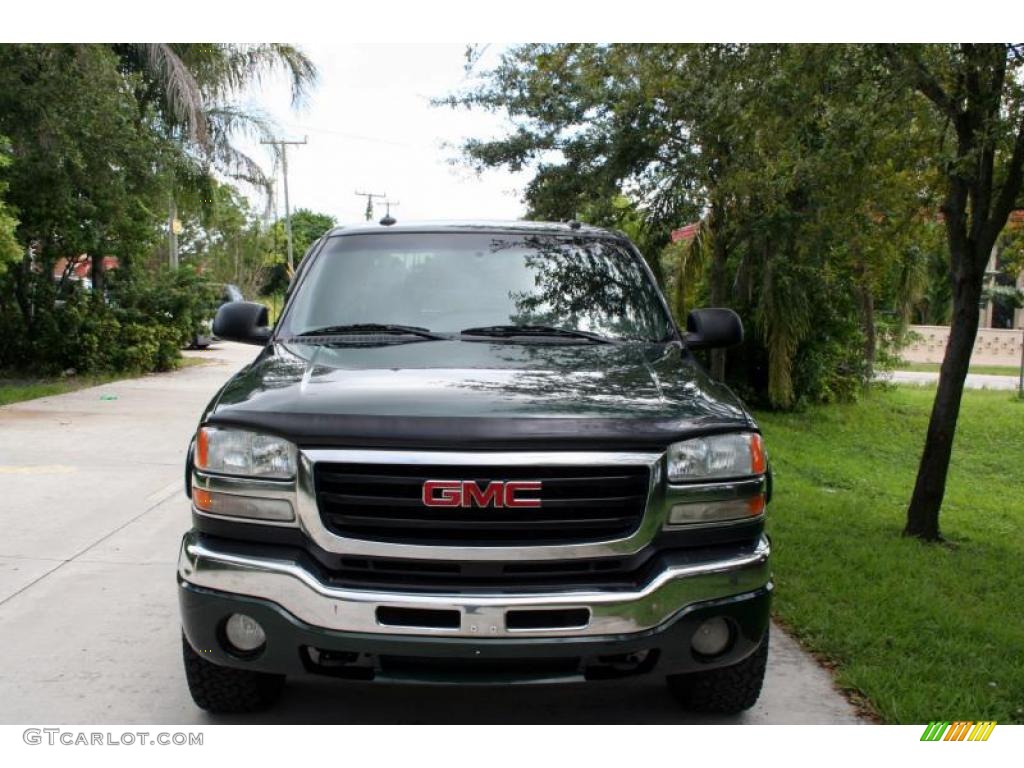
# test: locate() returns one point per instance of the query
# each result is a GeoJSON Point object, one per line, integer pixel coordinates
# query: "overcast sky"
{"type": "Point", "coordinates": [371, 128]}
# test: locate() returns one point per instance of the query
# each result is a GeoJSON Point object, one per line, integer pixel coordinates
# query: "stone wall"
{"type": "Point", "coordinates": [994, 346]}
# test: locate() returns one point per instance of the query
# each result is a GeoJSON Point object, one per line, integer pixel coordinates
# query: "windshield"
{"type": "Point", "coordinates": [450, 282]}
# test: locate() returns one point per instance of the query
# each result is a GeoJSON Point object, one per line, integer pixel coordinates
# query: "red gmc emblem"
{"type": "Point", "coordinates": [466, 493]}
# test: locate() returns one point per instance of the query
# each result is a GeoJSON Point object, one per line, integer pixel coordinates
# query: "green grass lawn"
{"type": "Point", "coordinates": [995, 370]}
{"type": "Point", "coordinates": [924, 632]}
{"type": "Point", "coordinates": [14, 389]}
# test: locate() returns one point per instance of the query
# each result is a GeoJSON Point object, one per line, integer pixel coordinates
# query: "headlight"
{"type": "Point", "coordinates": [239, 452]}
{"type": "Point", "coordinates": [738, 454]}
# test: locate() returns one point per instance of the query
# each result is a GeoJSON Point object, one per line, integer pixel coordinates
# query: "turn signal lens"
{"type": "Point", "coordinates": [202, 456]}
{"type": "Point", "coordinates": [755, 504]}
{"type": "Point", "coordinates": [758, 460]}
{"type": "Point", "coordinates": [716, 511]}
{"type": "Point", "coordinates": [235, 505]}
{"type": "Point", "coordinates": [202, 499]}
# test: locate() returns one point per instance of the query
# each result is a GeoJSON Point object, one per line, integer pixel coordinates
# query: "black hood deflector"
{"type": "Point", "coordinates": [478, 396]}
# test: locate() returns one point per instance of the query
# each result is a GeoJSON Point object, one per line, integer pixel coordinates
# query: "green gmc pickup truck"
{"type": "Point", "coordinates": [476, 453]}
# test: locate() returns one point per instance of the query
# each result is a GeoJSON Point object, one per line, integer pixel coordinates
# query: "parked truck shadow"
{"type": "Point", "coordinates": [311, 700]}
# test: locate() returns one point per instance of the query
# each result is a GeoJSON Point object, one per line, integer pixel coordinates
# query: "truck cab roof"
{"type": "Point", "coordinates": [475, 225]}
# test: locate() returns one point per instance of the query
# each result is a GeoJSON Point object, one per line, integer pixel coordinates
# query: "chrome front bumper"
{"type": "Point", "coordinates": [300, 593]}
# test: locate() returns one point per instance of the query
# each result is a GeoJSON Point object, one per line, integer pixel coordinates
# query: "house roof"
{"type": "Point", "coordinates": [686, 233]}
{"type": "Point", "coordinates": [81, 265]}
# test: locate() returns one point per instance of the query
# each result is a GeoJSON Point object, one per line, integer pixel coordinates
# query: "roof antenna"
{"type": "Point", "coordinates": [388, 219]}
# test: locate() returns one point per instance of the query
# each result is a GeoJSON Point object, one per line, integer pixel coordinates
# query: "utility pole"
{"type": "Point", "coordinates": [172, 234]}
{"type": "Point", "coordinates": [369, 201]}
{"type": "Point", "coordinates": [283, 145]}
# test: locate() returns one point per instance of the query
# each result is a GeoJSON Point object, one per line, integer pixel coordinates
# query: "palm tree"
{"type": "Point", "coordinates": [193, 88]}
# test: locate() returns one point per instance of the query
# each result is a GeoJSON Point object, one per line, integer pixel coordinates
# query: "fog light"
{"type": "Point", "coordinates": [712, 637]}
{"type": "Point", "coordinates": [244, 633]}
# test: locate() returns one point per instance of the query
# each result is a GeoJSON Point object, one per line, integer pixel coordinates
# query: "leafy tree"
{"type": "Point", "coordinates": [976, 90]}
{"type": "Point", "coordinates": [82, 173]}
{"type": "Point", "coordinates": [785, 153]}
{"type": "Point", "coordinates": [1011, 251]}
{"type": "Point", "coordinates": [194, 88]}
{"type": "Point", "coordinates": [101, 139]}
{"type": "Point", "coordinates": [307, 227]}
{"type": "Point", "coordinates": [224, 238]}
{"type": "Point", "coordinates": [9, 250]}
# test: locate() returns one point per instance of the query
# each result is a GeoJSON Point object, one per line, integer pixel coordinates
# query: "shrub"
{"type": "Point", "coordinates": [139, 325]}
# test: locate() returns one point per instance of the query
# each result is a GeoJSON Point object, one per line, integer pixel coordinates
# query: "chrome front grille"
{"type": "Point", "coordinates": [578, 504]}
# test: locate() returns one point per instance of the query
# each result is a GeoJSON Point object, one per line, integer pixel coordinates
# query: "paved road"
{"type": "Point", "coordinates": [92, 511]}
{"type": "Point", "coordinates": [973, 380]}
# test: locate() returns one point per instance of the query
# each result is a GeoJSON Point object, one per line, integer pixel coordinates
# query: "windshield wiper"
{"type": "Point", "coordinates": [371, 329]}
{"type": "Point", "coordinates": [506, 331]}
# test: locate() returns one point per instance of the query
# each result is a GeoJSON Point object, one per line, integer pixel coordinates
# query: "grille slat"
{"type": "Point", "coordinates": [384, 503]}
{"type": "Point", "coordinates": [406, 479]}
{"type": "Point", "coordinates": [356, 501]}
{"type": "Point", "coordinates": [365, 521]}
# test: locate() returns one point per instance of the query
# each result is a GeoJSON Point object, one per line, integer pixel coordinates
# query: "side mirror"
{"type": "Point", "coordinates": [242, 321]}
{"type": "Point", "coordinates": [713, 329]}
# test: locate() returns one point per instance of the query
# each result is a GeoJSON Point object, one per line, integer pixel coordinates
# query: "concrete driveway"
{"type": "Point", "coordinates": [92, 510]}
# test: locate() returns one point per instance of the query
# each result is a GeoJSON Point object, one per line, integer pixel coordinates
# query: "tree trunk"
{"type": "Point", "coordinates": [866, 303]}
{"type": "Point", "coordinates": [654, 262]}
{"type": "Point", "coordinates": [865, 307]}
{"type": "Point", "coordinates": [923, 513]}
{"type": "Point", "coordinates": [680, 297]}
{"type": "Point", "coordinates": [719, 290]}
{"type": "Point", "coordinates": [172, 236]}
{"type": "Point", "coordinates": [976, 210]}
{"type": "Point", "coordinates": [22, 281]}
{"type": "Point", "coordinates": [96, 274]}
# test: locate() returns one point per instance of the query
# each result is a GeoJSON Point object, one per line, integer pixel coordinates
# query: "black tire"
{"type": "Point", "coordinates": [224, 690]}
{"type": "Point", "coordinates": [726, 690]}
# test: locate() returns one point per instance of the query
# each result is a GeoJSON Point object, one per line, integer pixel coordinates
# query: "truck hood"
{"type": "Point", "coordinates": [434, 392]}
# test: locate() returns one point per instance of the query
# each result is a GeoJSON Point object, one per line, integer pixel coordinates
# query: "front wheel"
{"type": "Point", "coordinates": [224, 690]}
{"type": "Point", "coordinates": [726, 690]}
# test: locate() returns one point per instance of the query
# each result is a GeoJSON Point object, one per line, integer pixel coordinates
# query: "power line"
{"type": "Point", "coordinates": [360, 137]}
{"type": "Point", "coordinates": [282, 145]}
